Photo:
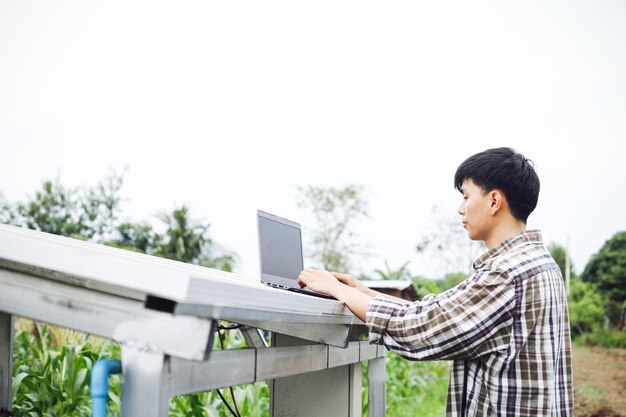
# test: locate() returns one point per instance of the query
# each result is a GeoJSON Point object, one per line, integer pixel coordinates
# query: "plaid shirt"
{"type": "Point", "coordinates": [506, 328]}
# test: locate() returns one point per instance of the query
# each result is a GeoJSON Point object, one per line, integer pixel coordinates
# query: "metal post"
{"type": "Point", "coordinates": [253, 337]}
{"type": "Point", "coordinates": [143, 390]}
{"type": "Point", "coordinates": [328, 392]}
{"type": "Point", "coordinates": [6, 360]}
{"type": "Point", "coordinates": [376, 381]}
{"type": "Point", "coordinates": [356, 384]}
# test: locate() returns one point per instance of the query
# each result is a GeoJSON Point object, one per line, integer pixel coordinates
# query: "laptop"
{"type": "Point", "coordinates": [280, 253]}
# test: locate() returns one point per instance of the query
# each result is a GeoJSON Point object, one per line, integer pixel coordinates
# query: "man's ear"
{"type": "Point", "coordinates": [496, 201]}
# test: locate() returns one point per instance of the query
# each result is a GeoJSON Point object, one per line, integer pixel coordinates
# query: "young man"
{"type": "Point", "coordinates": [507, 326]}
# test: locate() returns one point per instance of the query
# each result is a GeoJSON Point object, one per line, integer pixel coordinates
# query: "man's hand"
{"type": "Point", "coordinates": [319, 281]}
{"type": "Point", "coordinates": [343, 287]}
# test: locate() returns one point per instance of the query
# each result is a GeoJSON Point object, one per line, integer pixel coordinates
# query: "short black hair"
{"type": "Point", "coordinates": [507, 170]}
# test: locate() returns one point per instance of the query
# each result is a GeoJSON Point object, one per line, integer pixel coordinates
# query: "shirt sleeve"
{"type": "Point", "coordinates": [464, 322]}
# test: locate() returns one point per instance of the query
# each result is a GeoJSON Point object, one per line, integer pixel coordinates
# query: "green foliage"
{"type": "Point", "coordinates": [184, 239]}
{"type": "Point", "coordinates": [92, 213]}
{"type": "Point", "coordinates": [52, 369]}
{"type": "Point", "coordinates": [53, 380]}
{"type": "Point", "coordinates": [252, 400]}
{"type": "Point", "coordinates": [586, 307]}
{"type": "Point", "coordinates": [451, 280]}
{"type": "Point", "coordinates": [559, 254]}
{"type": "Point", "coordinates": [85, 213]}
{"type": "Point", "coordinates": [400, 274]}
{"type": "Point", "coordinates": [139, 237]}
{"type": "Point", "coordinates": [416, 388]}
{"type": "Point", "coordinates": [606, 338]}
{"type": "Point", "coordinates": [51, 372]}
{"type": "Point", "coordinates": [425, 286]}
{"type": "Point", "coordinates": [7, 214]}
{"type": "Point", "coordinates": [335, 211]}
{"type": "Point", "coordinates": [615, 311]}
{"type": "Point", "coordinates": [607, 268]}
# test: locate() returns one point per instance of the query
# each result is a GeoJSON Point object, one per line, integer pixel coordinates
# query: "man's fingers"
{"type": "Point", "coordinates": [301, 279]}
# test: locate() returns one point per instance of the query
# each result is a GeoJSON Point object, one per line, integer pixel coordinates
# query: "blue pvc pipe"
{"type": "Point", "coordinates": [100, 384]}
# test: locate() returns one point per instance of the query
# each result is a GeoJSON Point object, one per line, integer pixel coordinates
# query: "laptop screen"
{"type": "Point", "coordinates": [280, 244]}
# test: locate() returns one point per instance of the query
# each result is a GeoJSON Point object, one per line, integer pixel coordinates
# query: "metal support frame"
{"type": "Point", "coordinates": [143, 382]}
{"type": "Point", "coordinates": [243, 366]}
{"type": "Point", "coordinates": [299, 395]}
{"type": "Point", "coordinates": [339, 385]}
{"type": "Point", "coordinates": [376, 380]}
{"type": "Point", "coordinates": [6, 360]}
{"type": "Point", "coordinates": [106, 315]}
{"type": "Point", "coordinates": [105, 291]}
{"type": "Point", "coordinates": [151, 378]}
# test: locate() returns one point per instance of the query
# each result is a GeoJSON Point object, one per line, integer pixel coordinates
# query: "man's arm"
{"type": "Point", "coordinates": [343, 287]}
{"type": "Point", "coordinates": [467, 321]}
{"type": "Point", "coordinates": [350, 281]}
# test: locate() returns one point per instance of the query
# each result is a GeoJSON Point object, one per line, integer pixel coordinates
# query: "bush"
{"type": "Point", "coordinates": [606, 338]}
{"type": "Point", "coordinates": [586, 307]}
{"type": "Point", "coordinates": [416, 388]}
{"type": "Point", "coordinates": [413, 388]}
{"type": "Point", "coordinates": [53, 380]}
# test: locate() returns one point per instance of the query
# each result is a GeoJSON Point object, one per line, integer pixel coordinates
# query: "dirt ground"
{"type": "Point", "coordinates": [599, 382]}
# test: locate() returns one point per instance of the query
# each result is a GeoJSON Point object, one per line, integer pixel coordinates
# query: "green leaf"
{"type": "Point", "coordinates": [17, 381]}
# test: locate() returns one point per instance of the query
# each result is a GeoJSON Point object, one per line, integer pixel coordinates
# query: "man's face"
{"type": "Point", "coordinates": [475, 210]}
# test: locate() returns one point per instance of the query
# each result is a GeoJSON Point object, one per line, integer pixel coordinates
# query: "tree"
{"type": "Point", "coordinates": [84, 213]}
{"type": "Point", "coordinates": [445, 246]}
{"type": "Point", "coordinates": [451, 280]}
{"type": "Point", "coordinates": [333, 241]}
{"type": "Point", "coordinates": [184, 238]}
{"type": "Point", "coordinates": [138, 237]}
{"type": "Point", "coordinates": [7, 214]}
{"type": "Point", "coordinates": [586, 307]}
{"type": "Point", "coordinates": [400, 274]}
{"type": "Point", "coordinates": [92, 213]}
{"type": "Point", "coordinates": [559, 254]}
{"type": "Point", "coordinates": [187, 240]}
{"type": "Point", "coordinates": [607, 269]}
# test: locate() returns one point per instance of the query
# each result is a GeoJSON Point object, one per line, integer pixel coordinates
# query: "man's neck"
{"type": "Point", "coordinates": [503, 232]}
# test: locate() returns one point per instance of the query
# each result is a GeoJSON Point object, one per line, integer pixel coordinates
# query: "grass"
{"type": "Point", "coordinates": [606, 338]}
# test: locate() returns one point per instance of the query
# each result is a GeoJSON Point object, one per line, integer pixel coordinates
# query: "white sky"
{"type": "Point", "coordinates": [227, 106]}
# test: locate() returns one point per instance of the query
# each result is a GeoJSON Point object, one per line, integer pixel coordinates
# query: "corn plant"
{"type": "Point", "coordinates": [52, 367]}
{"type": "Point", "coordinates": [416, 388]}
{"type": "Point", "coordinates": [52, 380]}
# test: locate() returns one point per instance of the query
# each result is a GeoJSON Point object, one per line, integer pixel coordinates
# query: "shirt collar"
{"type": "Point", "coordinates": [527, 236]}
